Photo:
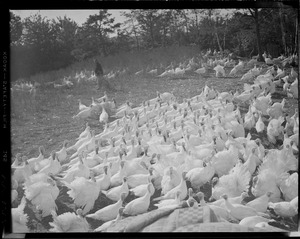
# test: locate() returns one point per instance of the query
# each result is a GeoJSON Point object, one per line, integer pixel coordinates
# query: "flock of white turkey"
{"type": "Point", "coordinates": [164, 152]}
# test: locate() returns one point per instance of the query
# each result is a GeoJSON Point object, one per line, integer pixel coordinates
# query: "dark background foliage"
{"type": "Point", "coordinates": [39, 44]}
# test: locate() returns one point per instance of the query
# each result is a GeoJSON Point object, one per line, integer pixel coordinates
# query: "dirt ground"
{"type": "Point", "coordinates": [49, 122]}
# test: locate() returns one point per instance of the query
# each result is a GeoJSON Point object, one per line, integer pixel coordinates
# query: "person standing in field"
{"type": "Point", "coordinates": [100, 77]}
{"type": "Point", "coordinates": [99, 73]}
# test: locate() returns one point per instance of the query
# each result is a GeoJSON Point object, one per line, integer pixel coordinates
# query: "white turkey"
{"type": "Point", "coordinates": [69, 222]}
{"type": "Point", "coordinates": [84, 192]}
{"type": "Point", "coordinates": [234, 183]}
{"type": "Point", "coordinates": [19, 218]}
{"type": "Point", "coordinates": [43, 196]}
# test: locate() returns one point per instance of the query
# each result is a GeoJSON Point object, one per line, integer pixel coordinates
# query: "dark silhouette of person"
{"type": "Point", "coordinates": [99, 73]}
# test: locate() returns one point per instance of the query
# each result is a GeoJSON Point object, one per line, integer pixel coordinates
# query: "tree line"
{"type": "Point", "coordinates": [39, 44]}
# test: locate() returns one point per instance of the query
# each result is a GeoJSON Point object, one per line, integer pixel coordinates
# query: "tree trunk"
{"type": "Point", "coordinates": [283, 37]}
{"type": "Point", "coordinates": [176, 31]}
{"type": "Point", "coordinates": [224, 40]}
{"type": "Point", "coordinates": [217, 36]}
{"type": "Point", "coordinates": [197, 29]}
{"type": "Point", "coordinates": [135, 35]}
{"type": "Point", "coordinates": [187, 28]}
{"type": "Point", "coordinates": [211, 25]}
{"type": "Point", "coordinates": [137, 41]}
{"type": "Point", "coordinates": [151, 34]}
{"type": "Point", "coordinates": [260, 58]}
{"type": "Point", "coordinates": [218, 41]}
{"type": "Point", "coordinates": [250, 55]}
{"type": "Point", "coordinates": [296, 37]}
{"type": "Point", "coordinates": [103, 43]}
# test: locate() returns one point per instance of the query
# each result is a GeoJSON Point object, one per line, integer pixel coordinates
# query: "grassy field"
{"type": "Point", "coordinates": [48, 119]}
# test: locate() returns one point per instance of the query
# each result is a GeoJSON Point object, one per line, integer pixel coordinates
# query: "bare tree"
{"type": "Point", "coordinates": [255, 14]}
{"type": "Point", "coordinates": [283, 37]}
{"type": "Point", "coordinates": [132, 25]}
